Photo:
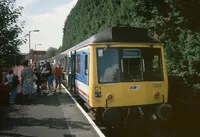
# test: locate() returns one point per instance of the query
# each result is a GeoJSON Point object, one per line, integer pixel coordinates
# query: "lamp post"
{"type": "Point", "coordinates": [36, 45]}
{"type": "Point", "coordinates": [36, 51]}
{"type": "Point", "coordinates": [29, 34]}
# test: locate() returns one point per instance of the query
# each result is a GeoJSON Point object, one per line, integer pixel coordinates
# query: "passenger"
{"type": "Point", "coordinates": [50, 78]}
{"type": "Point", "coordinates": [27, 80]}
{"type": "Point", "coordinates": [14, 84]}
{"type": "Point", "coordinates": [44, 78]}
{"type": "Point", "coordinates": [38, 81]}
{"type": "Point", "coordinates": [50, 84]}
{"type": "Point", "coordinates": [33, 66]}
{"type": "Point", "coordinates": [13, 92]}
{"type": "Point", "coordinates": [58, 76]}
{"type": "Point", "coordinates": [9, 76]}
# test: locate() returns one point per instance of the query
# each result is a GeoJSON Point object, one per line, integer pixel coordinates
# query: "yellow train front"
{"type": "Point", "coordinates": [127, 78]}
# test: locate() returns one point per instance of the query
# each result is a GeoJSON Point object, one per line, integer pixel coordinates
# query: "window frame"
{"type": "Point", "coordinates": [86, 69]}
{"type": "Point", "coordinates": [142, 58]}
{"type": "Point", "coordinates": [78, 64]}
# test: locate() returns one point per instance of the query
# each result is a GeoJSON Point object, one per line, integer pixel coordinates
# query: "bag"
{"type": "Point", "coordinates": [19, 89]}
{"type": "Point", "coordinates": [15, 80]}
{"type": "Point", "coordinates": [53, 71]}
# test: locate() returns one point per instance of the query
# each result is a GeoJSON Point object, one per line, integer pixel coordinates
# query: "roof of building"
{"type": "Point", "coordinates": [39, 51]}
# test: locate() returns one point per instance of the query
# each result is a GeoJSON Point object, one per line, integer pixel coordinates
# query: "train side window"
{"type": "Point", "coordinates": [78, 63]}
{"type": "Point", "coordinates": [86, 65]}
{"type": "Point", "coordinates": [69, 65]}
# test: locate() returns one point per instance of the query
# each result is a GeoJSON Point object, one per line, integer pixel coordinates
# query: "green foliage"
{"type": "Point", "coordinates": [184, 56]}
{"type": "Point", "coordinates": [9, 27]}
{"type": "Point", "coordinates": [171, 20]}
{"type": "Point", "coordinates": [51, 52]}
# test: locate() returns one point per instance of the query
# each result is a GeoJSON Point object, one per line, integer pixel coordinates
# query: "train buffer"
{"type": "Point", "coordinates": [46, 116]}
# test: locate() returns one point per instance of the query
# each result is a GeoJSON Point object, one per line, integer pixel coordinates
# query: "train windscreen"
{"type": "Point", "coordinates": [108, 65]}
{"type": "Point", "coordinates": [129, 64]}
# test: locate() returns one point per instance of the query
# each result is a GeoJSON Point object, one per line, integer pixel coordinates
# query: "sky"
{"type": "Point", "coordinates": [47, 16]}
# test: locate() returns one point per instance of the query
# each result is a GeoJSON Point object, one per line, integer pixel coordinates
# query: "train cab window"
{"type": "Point", "coordinates": [86, 65]}
{"type": "Point", "coordinates": [152, 64]}
{"type": "Point", "coordinates": [131, 65]}
{"type": "Point", "coordinates": [131, 69]}
{"type": "Point", "coordinates": [108, 65]}
{"type": "Point", "coordinates": [78, 63]}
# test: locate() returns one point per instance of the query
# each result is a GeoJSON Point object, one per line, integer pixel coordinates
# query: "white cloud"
{"type": "Point", "coordinates": [50, 24]}
{"type": "Point", "coordinates": [25, 3]}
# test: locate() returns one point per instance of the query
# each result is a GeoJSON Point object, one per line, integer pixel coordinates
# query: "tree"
{"type": "Point", "coordinates": [176, 27]}
{"type": "Point", "coordinates": [51, 52]}
{"type": "Point", "coordinates": [10, 28]}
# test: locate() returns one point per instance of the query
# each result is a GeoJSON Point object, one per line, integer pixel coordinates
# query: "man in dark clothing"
{"type": "Point", "coordinates": [39, 80]}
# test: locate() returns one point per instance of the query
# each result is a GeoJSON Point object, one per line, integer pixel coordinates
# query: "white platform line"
{"type": "Point", "coordinates": [85, 114]}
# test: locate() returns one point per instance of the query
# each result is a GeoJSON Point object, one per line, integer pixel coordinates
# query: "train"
{"type": "Point", "coordinates": [120, 74]}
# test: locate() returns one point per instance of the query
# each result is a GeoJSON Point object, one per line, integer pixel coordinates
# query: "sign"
{"type": "Point", "coordinates": [134, 87]}
{"type": "Point", "coordinates": [131, 53]}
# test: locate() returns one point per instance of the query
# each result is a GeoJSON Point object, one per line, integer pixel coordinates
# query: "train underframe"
{"type": "Point", "coordinates": [116, 116]}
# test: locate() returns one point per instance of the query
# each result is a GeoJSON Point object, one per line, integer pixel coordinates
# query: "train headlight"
{"type": "Point", "coordinates": [156, 95]}
{"type": "Point", "coordinates": [109, 97]}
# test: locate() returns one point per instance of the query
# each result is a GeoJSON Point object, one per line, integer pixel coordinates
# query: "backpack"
{"type": "Point", "coordinates": [53, 71]}
{"type": "Point", "coordinates": [15, 80]}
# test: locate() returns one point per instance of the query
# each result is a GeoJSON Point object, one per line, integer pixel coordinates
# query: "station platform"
{"type": "Point", "coordinates": [46, 116]}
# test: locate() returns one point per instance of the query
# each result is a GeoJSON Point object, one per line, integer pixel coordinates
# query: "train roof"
{"type": "Point", "coordinates": [118, 34]}
{"type": "Point", "coordinates": [124, 34]}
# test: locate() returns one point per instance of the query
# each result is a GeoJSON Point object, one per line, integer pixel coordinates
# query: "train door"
{"type": "Point", "coordinates": [86, 67]}
{"type": "Point", "coordinates": [73, 71]}
{"type": "Point", "coordinates": [68, 70]}
{"type": "Point", "coordinates": [86, 73]}
{"type": "Point", "coordinates": [65, 68]}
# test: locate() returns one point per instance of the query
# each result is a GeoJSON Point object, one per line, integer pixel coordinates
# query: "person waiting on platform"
{"type": "Point", "coordinates": [39, 80]}
{"type": "Point", "coordinates": [50, 78]}
{"type": "Point", "coordinates": [58, 76]}
{"type": "Point", "coordinates": [27, 80]}
{"type": "Point", "coordinates": [44, 78]}
{"type": "Point", "coordinates": [12, 79]}
{"type": "Point", "coordinates": [50, 84]}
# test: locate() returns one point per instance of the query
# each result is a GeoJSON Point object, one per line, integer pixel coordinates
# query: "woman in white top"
{"type": "Point", "coordinates": [13, 87]}
{"type": "Point", "coordinates": [9, 76]}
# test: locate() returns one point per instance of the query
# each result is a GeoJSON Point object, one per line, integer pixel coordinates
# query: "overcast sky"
{"type": "Point", "coordinates": [48, 16]}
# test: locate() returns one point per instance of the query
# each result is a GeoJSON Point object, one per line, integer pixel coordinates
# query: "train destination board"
{"type": "Point", "coordinates": [131, 53]}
